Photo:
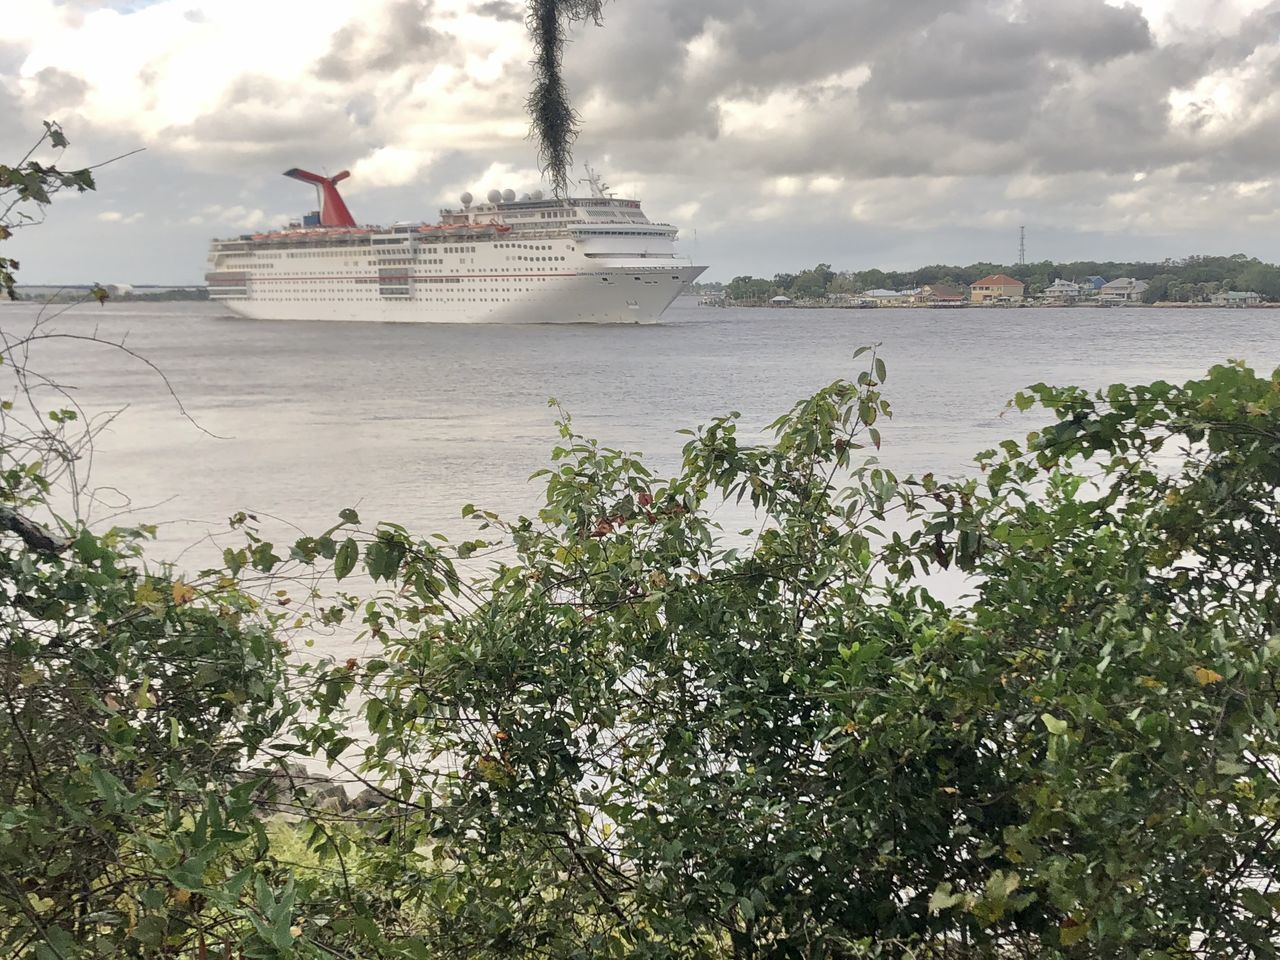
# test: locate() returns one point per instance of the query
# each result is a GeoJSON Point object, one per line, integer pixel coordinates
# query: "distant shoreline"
{"type": "Point", "coordinates": [1165, 304]}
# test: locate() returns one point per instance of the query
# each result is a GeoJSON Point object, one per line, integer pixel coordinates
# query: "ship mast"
{"type": "Point", "coordinates": [599, 189]}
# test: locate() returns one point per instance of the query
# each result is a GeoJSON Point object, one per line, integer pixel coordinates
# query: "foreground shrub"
{"type": "Point", "coordinates": [614, 729]}
{"type": "Point", "coordinates": [635, 735]}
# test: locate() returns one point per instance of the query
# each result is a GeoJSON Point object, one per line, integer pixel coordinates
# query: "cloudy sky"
{"type": "Point", "coordinates": [776, 133]}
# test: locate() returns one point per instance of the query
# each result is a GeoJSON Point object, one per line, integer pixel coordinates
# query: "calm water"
{"type": "Point", "coordinates": [409, 422]}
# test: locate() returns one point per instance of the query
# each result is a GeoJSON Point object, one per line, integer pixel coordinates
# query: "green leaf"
{"type": "Point", "coordinates": [1054, 725]}
{"type": "Point", "coordinates": [1256, 903]}
{"type": "Point", "coordinates": [345, 559]}
{"type": "Point", "coordinates": [943, 898]}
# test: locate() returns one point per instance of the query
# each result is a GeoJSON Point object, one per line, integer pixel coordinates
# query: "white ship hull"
{"type": "Point", "coordinates": [605, 296]}
{"type": "Point", "coordinates": [594, 259]}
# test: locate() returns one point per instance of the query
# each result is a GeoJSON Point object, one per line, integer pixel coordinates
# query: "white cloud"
{"type": "Point", "coordinates": [164, 77]}
{"type": "Point", "coordinates": [115, 216]}
{"type": "Point", "coordinates": [1226, 97]}
{"type": "Point", "coordinates": [241, 217]}
{"type": "Point", "coordinates": [1173, 20]}
{"type": "Point", "coordinates": [387, 167]}
{"type": "Point", "coordinates": [497, 176]}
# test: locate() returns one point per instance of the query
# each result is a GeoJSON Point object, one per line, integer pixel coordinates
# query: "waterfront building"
{"type": "Point", "coordinates": [1123, 290]}
{"type": "Point", "coordinates": [1236, 298]}
{"type": "Point", "coordinates": [1062, 290]}
{"type": "Point", "coordinates": [888, 298]}
{"type": "Point", "coordinates": [997, 288]}
{"type": "Point", "coordinates": [942, 293]}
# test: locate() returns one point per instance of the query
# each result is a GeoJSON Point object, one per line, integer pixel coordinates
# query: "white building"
{"type": "Point", "coordinates": [1123, 290]}
{"type": "Point", "coordinates": [1062, 290]}
{"type": "Point", "coordinates": [1236, 298]}
{"type": "Point", "coordinates": [888, 298]}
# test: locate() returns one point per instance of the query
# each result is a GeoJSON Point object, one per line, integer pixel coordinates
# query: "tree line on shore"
{"type": "Point", "coordinates": [124, 296]}
{"type": "Point", "coordinates": [1188, 280]}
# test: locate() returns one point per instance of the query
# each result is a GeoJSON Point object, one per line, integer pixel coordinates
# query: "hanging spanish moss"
{"type": "Point", "coordinates": [554, 122]}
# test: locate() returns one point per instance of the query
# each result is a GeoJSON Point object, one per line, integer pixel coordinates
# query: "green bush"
{"type": "Point", "coordinates": [614, 729]}
{"type": "Point", "coordinates": [636, 736]}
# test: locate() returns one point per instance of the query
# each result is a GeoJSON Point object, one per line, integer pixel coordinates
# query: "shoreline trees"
{"type": "Point", "coordinates": [1190, 280]}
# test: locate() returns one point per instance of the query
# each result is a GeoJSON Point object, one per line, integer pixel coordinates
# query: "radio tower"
{"type": "Point", "coordinates": [1022, 246]}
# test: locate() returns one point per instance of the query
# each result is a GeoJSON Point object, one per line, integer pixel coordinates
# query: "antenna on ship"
{"type": "Point", "coordinates": [599, 189]}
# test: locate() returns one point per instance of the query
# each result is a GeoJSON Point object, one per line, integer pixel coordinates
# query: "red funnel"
{"type": "Point", "coordinates": [333, 211]}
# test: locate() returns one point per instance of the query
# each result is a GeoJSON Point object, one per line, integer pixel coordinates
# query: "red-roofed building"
{"type": "Point", "coordinates": [996, 287]}
{"type": "Point", "coordinates": [941, 293]}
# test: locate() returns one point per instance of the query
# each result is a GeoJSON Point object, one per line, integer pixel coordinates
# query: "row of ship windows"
{"type": "Point", "coordinates": [385, 278]}
{"type": "Point", "coordinates": [383, 261]}
{"type": "Point", "coordinates": [401, 277]}
{"type": "Point", "coordinates": [385, 288]}
{"type": "Point", "coordinates": [402, 283]}
{"type": "Point", "coordinates": [387, 299]}
{"type": "Point", "coordinates": [410, 261]}
{"type": "Point", "coordinates": [386, 271]}
{"type": "Point", "coordinates": [312, 254]}
{"type": "Point", "coordinates": [391, 292]}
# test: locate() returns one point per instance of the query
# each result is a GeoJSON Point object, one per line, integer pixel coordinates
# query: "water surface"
{"type": "Point", "coordinates": [410, 422]}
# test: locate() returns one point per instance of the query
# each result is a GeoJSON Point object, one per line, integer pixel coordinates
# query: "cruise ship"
{"type": "Point", "coordinates": [532, 259]}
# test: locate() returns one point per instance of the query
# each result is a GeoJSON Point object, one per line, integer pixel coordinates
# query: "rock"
{"type": "Point", "coordinates": [331, 804]}
{"type": "Point", "coordinates": [368, 799]}
{"type": "Point", "coordinates": [279, 786]}
{"type": "Point", "coordinates": [330, 797]}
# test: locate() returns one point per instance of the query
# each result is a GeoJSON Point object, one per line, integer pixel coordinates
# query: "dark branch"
{"type": "Point", "coordinates": [33, 535]}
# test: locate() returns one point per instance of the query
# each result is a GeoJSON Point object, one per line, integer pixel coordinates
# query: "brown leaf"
{"type": "Point", "coordinates": [1204, 676]}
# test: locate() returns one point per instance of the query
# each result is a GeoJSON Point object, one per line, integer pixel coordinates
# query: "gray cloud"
{"type": "Point", "coordinates": [917, 130]}
{"type": "Point", "coordinates": [947, 87]}
{"type": "Point", "coordinates": [504, 10]}
{"type": "Point", "coordinates": [977, 55]}
{"type": "Point", "coordinates": [404, 39]}
{"type": "Point", "coordinates": [11, 57]}
{"type": "Point", "coordinates": [58, 90]}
